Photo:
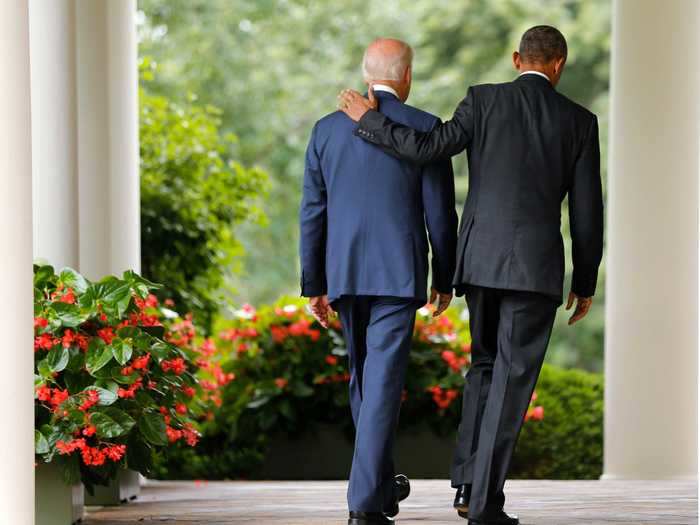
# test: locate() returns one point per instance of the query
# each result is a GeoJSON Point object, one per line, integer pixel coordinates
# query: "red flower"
{"type": "Point", "coordinates": [331, 360]}
{"type": "Point", "coordinates": [188, 391]}
{"type": "Point", "coordinates": [68, 338]}
{"type": "Point", "coordinates": [40, 322]}
{"type": "Point", "coordinates": [115, 452]}
{"type": "Point", "coordinates": [279, 333]}
{"type": "Point", "coordinates": [43, 393]}
{"type": "Point", "coordinates": [281, 382]}
{"type": "Point", "coordinates": [538, 413]}
{"type": "Point", "coordinates": [181, 408]}
{"type": "Point", "coordinates": [58, 396]}
{"type": "Point", "coordinates": [176, 366]}
{"type": "Point", "coordinates": [44, 342]}
{"type": "Point", "coordinates": [93, 397]}
{"type": "Point", "coordinates": [141, 363]}
{"type": "Point", "coordinates": [106, 334]}
{"type": "Point", "coordinates": [89, 431]}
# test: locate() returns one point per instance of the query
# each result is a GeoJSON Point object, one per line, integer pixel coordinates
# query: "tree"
{"type": "Point", "coordinates": [275, 67]}
{"type": "Point", "coordinates": [193, 194]}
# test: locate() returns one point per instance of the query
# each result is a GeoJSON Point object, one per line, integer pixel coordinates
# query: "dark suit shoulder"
{"type": "Point", "coordinates": [408, 115]}
{"type": "Point", "coordinates": [577, 109]}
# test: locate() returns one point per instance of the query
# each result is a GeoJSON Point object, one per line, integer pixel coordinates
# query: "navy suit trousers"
{"type": "Point", "coordinates": [378, 332]}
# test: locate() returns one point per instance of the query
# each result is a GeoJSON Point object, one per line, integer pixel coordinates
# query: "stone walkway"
{"type": "Point", "coordinates": [323, 502]}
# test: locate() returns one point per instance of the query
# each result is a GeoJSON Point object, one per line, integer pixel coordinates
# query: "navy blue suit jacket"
{"type": "Point", "coordinates": [364, 213]}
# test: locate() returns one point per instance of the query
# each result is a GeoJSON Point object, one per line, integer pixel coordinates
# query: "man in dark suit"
{"type": "Point", "coordinates": [528, 147]}
{"type": "Point", "coordinates": [364, 253]}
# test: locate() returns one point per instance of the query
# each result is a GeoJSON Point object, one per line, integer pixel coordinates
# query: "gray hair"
{"type": "Point", "coordinates": [386, 62]}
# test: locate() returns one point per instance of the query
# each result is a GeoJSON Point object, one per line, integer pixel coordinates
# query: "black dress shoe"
{"type": "Point", "coordinates": [368, 518]}
{"type": "Point", "coordinates": [461, 503]}
{"type": "Point", "coordinates": [402, 490]}
{"type": "Point", "coordinates": [498, 519]}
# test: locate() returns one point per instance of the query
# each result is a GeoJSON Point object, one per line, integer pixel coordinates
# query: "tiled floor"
{"type": "Point", "coordinates": [311, 503]}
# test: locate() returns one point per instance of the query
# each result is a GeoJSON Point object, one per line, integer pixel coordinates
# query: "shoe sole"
{"type": "Point", "coordinates": [462, 508]}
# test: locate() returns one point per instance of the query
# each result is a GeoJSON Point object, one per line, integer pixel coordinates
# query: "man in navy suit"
{"type": "Point", "coordinates": [364, 254]}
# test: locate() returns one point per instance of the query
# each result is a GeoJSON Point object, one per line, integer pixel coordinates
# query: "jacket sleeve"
{"type": "Point", "coordinates": [313, 225]}
{"type": "Point", "coordinates": [438, 187]}
{"type": "Point", "coordinates": [443, 141]}
{"type": "Point", "coordinates": [586, 215]}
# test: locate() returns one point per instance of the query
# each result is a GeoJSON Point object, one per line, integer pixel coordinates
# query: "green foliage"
{"type": "Point", "coordinates": [281, 374]}
{"type": "Point", "coordinates": [193, 195]}
{"type": "Point", "coordinates": [568, 442]}
{"type": "Point", "coordinates": [275, 67]}
{"type": "Point", "coordinates": [98, 370]}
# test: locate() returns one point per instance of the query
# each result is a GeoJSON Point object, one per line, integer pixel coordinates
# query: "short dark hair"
{"type": "Point", "coordinates": [542, 44]}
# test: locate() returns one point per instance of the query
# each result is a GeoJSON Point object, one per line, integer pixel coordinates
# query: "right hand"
{"type": "Point", "coordinates": [583, 304]}
{"type": "Point", "coordinates": [321, 309]}
{"type": "Point", "coordinates": [355, 105]}
{"type": "Point", "coordinates": [444, 300]}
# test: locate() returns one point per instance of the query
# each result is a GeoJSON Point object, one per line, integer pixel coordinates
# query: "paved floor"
{"type": "Point", "coordinates": [312, 503]}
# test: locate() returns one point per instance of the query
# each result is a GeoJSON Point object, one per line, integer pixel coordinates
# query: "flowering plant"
{"type": "Point", "coordinates": [276, 370]}
{"type": "Point", "coordinates": [110, 388]}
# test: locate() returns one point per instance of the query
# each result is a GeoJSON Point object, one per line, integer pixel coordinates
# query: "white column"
{"type": "Point", "coordinates": [108, 156]}
{"type": "Point", "coordinates": [651, 345]}
{"type": "Point", "coordinates": [17, 436]}
{"type": "Point", "coordinates": [54, 131]}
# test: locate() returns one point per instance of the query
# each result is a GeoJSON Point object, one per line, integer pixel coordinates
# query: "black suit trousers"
{"type": "Point", "coordinates": [510, 332]}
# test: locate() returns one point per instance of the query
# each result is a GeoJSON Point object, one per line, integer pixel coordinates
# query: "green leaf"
{"type": "Point", "coordinates": [257, 403]}
{"type": "Point", "coordinates": [107, 397]}
{"type": "Point", "coordinates": [152, 427]}
{"type": "Point", "coordinates": [111, 422]}
{"type": "Point", "coordinates": [57, 358]}
{"type": "Point", "coordinates": [44, 369]}
{"type": "Point", "coordinates": [121, 350]}
{"type": "Point", "coordinates": [155, 331]}
{"type": "Point", "coordinates": [301, 390]}
{"type": "Point", "coordinates": [42, 274]}
{"type": "Point", "coordinates": [139, 455]}
{"type": "Point", "coordinates": [73, 279]}
{"type": "Point", "coordinates": [70, 469]}
{"type": "Point", "coordinates": [41, 444]}
{"type": "Point", "coordinates": [98, 355]}
{"type": "Point", "coordinates": [69, 314]}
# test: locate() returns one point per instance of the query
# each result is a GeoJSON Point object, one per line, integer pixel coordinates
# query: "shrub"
{"type": "Point", "coordinates": [291, 375]}
{"type": "Point", "coordinates": [193, 194]}
{"type": "Point", "coordinates": [110, 388]}
{"type": "Point", "coordinates": [568, 443]}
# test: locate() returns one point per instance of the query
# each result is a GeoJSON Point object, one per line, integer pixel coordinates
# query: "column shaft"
{"type": "Point", "coordinates": [652, 245]}
{"type": "Point", "coordinates": [17, 437]}
{"type": "Point", "coordinates": [54, 131]}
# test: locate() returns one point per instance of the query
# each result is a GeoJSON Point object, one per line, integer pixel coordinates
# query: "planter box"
{"type": "Point", "coordinates": [121, 490]}
{"type": "Point", "coordinates": [56, 503]}
{"type": "Point", "coordinates": [327, 454]}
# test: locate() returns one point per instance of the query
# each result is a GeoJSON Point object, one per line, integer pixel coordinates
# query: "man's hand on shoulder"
{"type": "Point", "coordinates": [583, 304]}
{"type": "Point", "coordinates": [354, 105]}
{"type": "Point", "coordinates": [321, 309]}
{"type": "Point", "coordinates": [443, 299]}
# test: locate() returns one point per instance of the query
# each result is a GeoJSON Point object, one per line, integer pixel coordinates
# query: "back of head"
{"type": "Point", "coordinates": [542, 45]}
{"type": "Point", "coordinates": [388, 60]}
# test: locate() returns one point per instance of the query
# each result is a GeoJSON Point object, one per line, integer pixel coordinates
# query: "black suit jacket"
{"type": "Point", "coordinates": [528, 147]}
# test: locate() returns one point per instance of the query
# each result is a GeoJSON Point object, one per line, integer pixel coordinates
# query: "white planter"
{"type": "Point", "coordinates": [56, 503]}
{"type": "Point", "coordinates": [122, 490]}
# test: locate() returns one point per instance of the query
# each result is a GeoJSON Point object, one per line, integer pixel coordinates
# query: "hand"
{"type": "Point", "coordinates": [355, 105]}
{"type": "Point", "coordinates": [321, 309]}
{"type": "Point", "coordinates": [444, 301]}
{"type": "Point", "coordinates": [583, 304]}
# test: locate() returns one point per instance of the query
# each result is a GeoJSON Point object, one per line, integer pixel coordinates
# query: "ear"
{"type": "Point", "coordinates": [408, 75]}
{"type": "Point", "coordinates": [516, 60]}
{"type": "Point", "coordinates": [559, 65]}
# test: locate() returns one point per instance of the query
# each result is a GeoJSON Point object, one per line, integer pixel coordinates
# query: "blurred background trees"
{"type": "Point", "coordinates": [274, 67]}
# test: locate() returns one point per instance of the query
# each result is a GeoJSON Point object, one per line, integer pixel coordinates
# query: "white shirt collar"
{"type": "Point", "coordinates": [535, 73]}
{"type": "Point", "coordinates": [384, 87]}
